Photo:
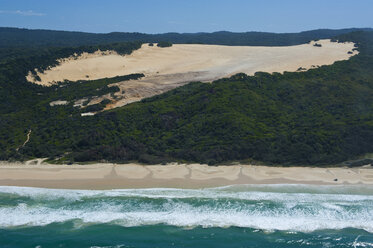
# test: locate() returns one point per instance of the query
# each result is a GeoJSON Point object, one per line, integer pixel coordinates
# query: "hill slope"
{"type": "Point", "coordinates": [321, 116]}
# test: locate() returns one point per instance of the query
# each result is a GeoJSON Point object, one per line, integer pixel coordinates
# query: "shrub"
{"type": "Point", "coordinates": [164, 44]}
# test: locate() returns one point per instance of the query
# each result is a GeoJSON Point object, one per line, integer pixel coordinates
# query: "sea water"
{"type": "Point", "coordinates": [231, 216]}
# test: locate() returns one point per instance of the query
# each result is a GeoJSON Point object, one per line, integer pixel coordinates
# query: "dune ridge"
{"type": "Point", "coordinates": [171, 67]}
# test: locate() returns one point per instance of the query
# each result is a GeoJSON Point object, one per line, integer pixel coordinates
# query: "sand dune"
{"type": "Point", "coordinates": [168, 68]}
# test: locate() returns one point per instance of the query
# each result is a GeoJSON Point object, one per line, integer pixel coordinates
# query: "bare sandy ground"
{"type": "Point", "coordinates": [168, 68]}
{"type": "Point", "coordinates": [110, 176]}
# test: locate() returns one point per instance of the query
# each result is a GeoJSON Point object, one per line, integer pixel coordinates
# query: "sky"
{"type": "Point", "coordinates": [186, 16]}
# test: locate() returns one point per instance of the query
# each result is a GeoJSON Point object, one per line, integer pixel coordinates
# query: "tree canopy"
{"type": "Point", "coordinates": [316, 117]}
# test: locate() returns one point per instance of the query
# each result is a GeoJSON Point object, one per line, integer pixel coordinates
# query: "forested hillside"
{"type": "Point", "coordinates": [14, 37]}
{"type": "Point", "coordinates": [321, 116]}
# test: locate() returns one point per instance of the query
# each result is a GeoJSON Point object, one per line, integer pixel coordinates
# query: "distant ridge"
{"type": "Point", "coordinates": [18, 37]}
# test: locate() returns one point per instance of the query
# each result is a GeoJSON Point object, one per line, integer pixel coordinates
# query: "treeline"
{"type": "Point", "coordinates": [16, 92]}
{"type": "Point", "coordinates": [164, 44]}
{"type": "Point", "coordinates": [69, 90]}
{"type": "Point", "coordinates": [14, 37]}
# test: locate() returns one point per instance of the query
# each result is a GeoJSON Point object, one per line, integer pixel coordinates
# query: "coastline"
{"type": "Point", "coordinates": [126, 176]}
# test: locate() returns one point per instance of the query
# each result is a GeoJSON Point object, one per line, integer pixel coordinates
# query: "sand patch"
{"type": "Point", "coordinates": [107, 176]}
{"type": "Point", "coordinates": [174, 171]}
{"type": "Point", "coordinates": [171, 67]}
{"type": "Point", "coordinates": [203, 172]}
{"type": "Point", "coordinates": [131, 171]}
{"type": "Point", "coordinates": [58, 102]}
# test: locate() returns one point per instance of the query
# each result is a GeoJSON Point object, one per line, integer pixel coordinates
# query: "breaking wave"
{"type": "Point", "coordinates": [301, 208]}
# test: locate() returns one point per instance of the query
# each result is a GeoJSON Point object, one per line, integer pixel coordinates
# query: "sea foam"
{"type": "Point", "coordinates": [278, 207]}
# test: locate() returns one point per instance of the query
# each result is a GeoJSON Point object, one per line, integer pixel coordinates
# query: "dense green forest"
{"type": "Point", "coordinates": [17, 93]}
{"type": "Point", "coordinates": [15, 37]}
{"type": "Point", "coordinates": [164, 44]}
{"type": "Point", "coordinates": [320, 116]}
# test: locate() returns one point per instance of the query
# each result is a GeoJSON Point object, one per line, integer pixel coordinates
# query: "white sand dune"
{"type": "Point", "coordinates": [168, 68]}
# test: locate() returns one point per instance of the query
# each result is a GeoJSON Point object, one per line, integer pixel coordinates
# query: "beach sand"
{"type": "Point", "coordinates": [171, 67]}
{"type": "Point", "coordinates": [116, 176]}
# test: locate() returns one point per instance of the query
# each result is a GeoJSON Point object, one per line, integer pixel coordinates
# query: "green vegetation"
{"type": "Point", "coordinates": [97, 107]}
{"type": "Point", "coordinates": [164, 44]}
{"type": "Point", "coordinates": [320, 116]}
{"type": "Point", "coordinates": [20, 38]}
{"type": "Point", "coordinates": [71, 91]}
{"type": "Point", "coordinates": [16, 93]}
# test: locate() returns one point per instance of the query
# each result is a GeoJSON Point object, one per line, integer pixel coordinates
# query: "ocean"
{"type": "Point", "coordinates": [230, 216]}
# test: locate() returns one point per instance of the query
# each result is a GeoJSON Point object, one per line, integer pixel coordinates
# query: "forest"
{"type": "Point", "coordinates": [21, 38]}
{"type": "Point", "coordinates": [318, 117]}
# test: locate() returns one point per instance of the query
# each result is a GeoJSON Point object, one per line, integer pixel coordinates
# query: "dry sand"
{"type": "Point", "coordinates": [168, 68]}
{"type": "Point", "coordinates": [109, 176]}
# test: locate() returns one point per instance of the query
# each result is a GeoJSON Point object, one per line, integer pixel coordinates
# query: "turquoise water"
{"type": "Point", "coordinates": [232, 216]}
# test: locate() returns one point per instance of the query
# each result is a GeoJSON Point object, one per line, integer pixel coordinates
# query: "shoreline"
{"type": "Point", "coordinates": [188, 176]}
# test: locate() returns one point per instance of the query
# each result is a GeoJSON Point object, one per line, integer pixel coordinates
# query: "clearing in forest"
{"type": "Point", "coordinates": [171, 67]}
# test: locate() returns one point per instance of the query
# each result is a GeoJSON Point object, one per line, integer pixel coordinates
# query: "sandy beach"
{"type": "Point", "coordinates": [116, 176]}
